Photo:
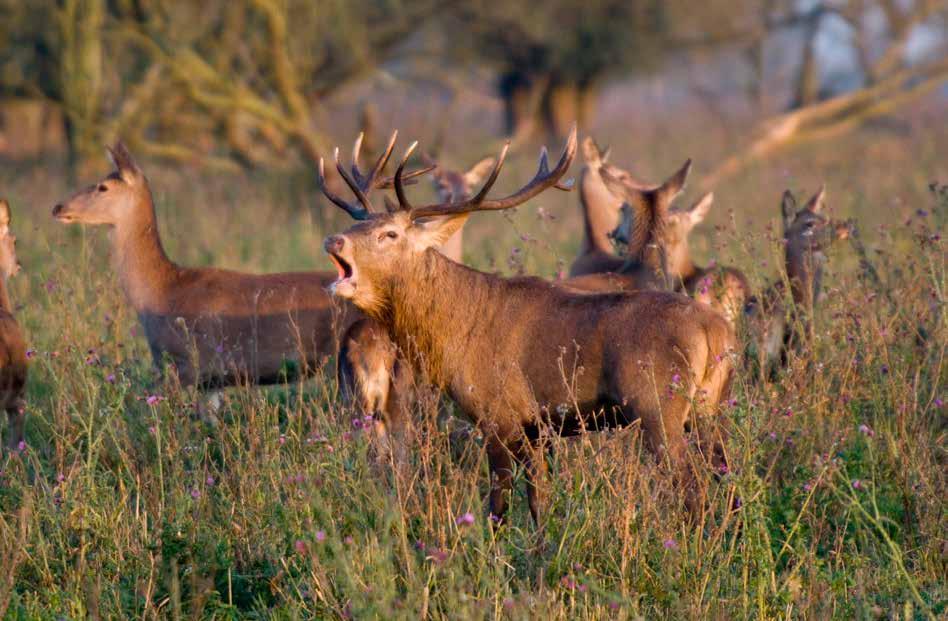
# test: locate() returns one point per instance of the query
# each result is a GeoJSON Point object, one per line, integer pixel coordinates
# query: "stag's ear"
{"type": "Point", "coordinates": [674, 185]}
{"type": "Point", "coordinates": [124, 163]}
{"type": "Point", "coordinates": [818, 201]}
{"type": "Point", "coordinates": [479, 171]}
{"type": "Point", "coordinates": [788, 209]}
{"type": "Point", "coordinates": [699, 211]}
{"type": "Point", "coordinates": [4, 216]}
{"type": "Point", "coordinates": [433, 232]}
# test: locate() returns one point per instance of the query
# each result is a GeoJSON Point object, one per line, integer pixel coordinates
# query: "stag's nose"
{"type": "Point", "coordinates": [57, 209]}
{"type": "Point", "coordinates": [334, 243]}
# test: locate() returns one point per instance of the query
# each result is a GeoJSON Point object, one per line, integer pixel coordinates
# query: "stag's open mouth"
{"type": "Point", "coordinates": [344, 285]}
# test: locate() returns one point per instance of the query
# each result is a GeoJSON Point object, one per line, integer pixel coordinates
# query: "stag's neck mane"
{"type": "Point", "coordinates": [140, 261]}
{"type": "Point", "coordinates": [600, 212]}
{"type": "Point", "coordinates": [435, 308]}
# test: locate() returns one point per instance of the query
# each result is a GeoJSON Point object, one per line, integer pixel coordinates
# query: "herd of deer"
{"type": "Point", "coordinates": [646, 336]}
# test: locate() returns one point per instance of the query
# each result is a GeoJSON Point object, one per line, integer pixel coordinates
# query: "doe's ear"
{"type": "Point", "coordinates": [818, 201]}
{"type": "Point", "coordinates": [788, 209]}
{"type": "Point", "coordinates": [4, 216]}
{"type": "Point", "coordinates": [592, 154]}
{"type": "Point", "coordinates": [124, 162]}
{"type": "Point", "coordinates": [699, 211]}
{"type": "Point", "coordinates": [479, 171]}
{"type": "Point", "coordinates": [433, 232]}
{"type": "Point", "coordinates": [673, 186]}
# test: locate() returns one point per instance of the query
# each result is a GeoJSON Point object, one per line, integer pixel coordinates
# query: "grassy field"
{"type": "Point", "coordinates": [121, 505]}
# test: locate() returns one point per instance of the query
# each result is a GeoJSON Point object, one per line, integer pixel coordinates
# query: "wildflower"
{"type": "Point", "coordinates": [195, 493]}
{"type": "Point", "coordinates": [300, 546]}
{"type": "Point", "coordinates": [60, 477]}
{"type": "Point", "coordinates": [939, 403]}
{"type": "Point", "coordinates": [152, 399]}
{"type": "Point", "coordinates": [670, 544]}
{"type": "Point", "coordinates": [465, 519]}
{"type": "Point", "coordinates": [110, 378]}
{"type": "Point", "coordinates": [438, 556]}
{"type": "Point", "coordinates": [807, 486]}
{"type": "Point", "coordinates": [210, 481]}
{"type": "Point", "coordinates": [772, 435]}
{"type": "Point", "coordinates": [349, 540]}
{"type": "Point", "coordinates": [21, 446]}
{"type": "Point", "coordinates": [320, 536]}
{"type": "Point", "coordinates": [884, 369]}
{"type": "Point", "coordinates": [151, 430]}
{"type": "Point", "coordinates": [508, 603]}
{"type": "Point", "coordinates": [357, 423]}
{"type": "Point", "coordinates": [732, 403]}
{"type": "Point", "coordinates": [866, 430]}
{"type": "Point", "coordinates": [420, 545]}
{"type": "Point", "coordinates": [676, 379]}
{"type": "Point", "coordinates": [30, 353]}
{"type": "Point", "coordinates": [788, 413]}
{"type": "Point", "coordinates": [857, 484]}
{"type": "Point", "coordinates": [723, 469]}
{"type": "Point", "coordinates": [219, 348]}
{"type": "Point", "coordinates": [282, 439]}
{"type": "Point", "coordinates": [568, 582]}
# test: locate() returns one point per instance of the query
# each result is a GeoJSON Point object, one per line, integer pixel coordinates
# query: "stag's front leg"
{"type": "Point", "coordinates": [531, 456]}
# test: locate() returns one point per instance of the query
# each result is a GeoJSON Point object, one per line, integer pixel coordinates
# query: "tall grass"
{"type": "Point", "coordinates": [120, 504]}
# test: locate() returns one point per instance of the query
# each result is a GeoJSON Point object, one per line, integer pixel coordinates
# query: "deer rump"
{"type": "Point", "coordinates": [545, 356]}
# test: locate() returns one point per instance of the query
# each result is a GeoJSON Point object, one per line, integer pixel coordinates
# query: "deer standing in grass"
{"type": "Point", "coordinates": [218, 327]}
{"type": "Point", "coordinates": [724, 288]}
{"type": "Point", "coordinates": [773, 324]}
{"type": "Point", "coordinates": [13, 361]}
{"type": "Point", "coordinates": [503, 348]}
{"type": "Point", "coordinates": [371, 372]}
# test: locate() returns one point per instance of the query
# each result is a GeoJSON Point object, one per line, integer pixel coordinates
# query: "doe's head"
{"type": "Point", "coordinates": [807, 228]}
{"type": "Point", "coordinates": [111, 199]}
{"type": "Point", "coordinates": [9, 265]}
{"type": "Point", "coordinates": [382, 247]}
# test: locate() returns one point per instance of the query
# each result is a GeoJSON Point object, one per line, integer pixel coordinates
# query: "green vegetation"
{"type": "Point", "coordinates": [122, 505]}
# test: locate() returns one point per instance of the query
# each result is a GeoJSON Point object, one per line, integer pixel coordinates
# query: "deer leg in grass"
{"type": "Point", "coordinates": [500, 460]}
{"type": "Point", "coordinates": [534, 462]}
{"type": "Point", "coordinates": [16, 415]}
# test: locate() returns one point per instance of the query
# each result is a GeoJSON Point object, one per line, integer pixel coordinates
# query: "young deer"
{"type": "Point", "coordinates": [371, 373]}
{"type": "Point", "coordinates": [725, 289]}
{"type": "Point", "coordinates": [218, 327]}
{"type": "Point", "coordinates": [498, 346]}
{"type": "Point", "coordinates": [773, 325]}
{"type": "Point", "coordinates": [13, 361]}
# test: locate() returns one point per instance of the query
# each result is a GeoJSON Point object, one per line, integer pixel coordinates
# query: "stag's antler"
{"type": "Point", "coordinates": [544, 179]}
{"type": "Point", "coordinates": [361, 183]}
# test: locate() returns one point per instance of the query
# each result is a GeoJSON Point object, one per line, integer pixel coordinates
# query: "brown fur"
{"type": "Point", "coordinates": [773, 326]}
{"type": "Point", "coordinates": [522, 355]}
{"type": "Point", "coordinates": [218, 327]}
{"type": "Point", "coordinates": [13, 360]}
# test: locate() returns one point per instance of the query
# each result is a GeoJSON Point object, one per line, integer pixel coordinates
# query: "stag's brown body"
{"type": "Point", "coordinates": [13, 360]}
{"type": "Point", "coordinates": [523, 355]}
{"type": "Point", "coordinates": [217, 327]}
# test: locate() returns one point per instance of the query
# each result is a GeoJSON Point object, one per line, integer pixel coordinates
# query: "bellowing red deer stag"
{"type": "Point", "coordinates": [774, 328]}
{"type": "Point", "coordinates": [498, 346]}
{"type": "Point", "coordinates": [218, 327]}
{"type": "Point", "coordinates": [371, 373]}
{"type": "Point", "coordinates": [13, 360]}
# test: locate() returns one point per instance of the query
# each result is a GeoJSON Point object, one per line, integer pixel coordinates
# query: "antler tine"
{"type": "Point", "coordinates": [399, 186]}
{"type": "Point", "coordinates": [357, 213]}
{"type": "Point", "coordinates": [543, 179]}
{"type": "Point", "coordinates": [355, 187]}
{"type": "Point", "coordinates": [356, 152]}
{"type": "Point", "coordinates": [383, 159]}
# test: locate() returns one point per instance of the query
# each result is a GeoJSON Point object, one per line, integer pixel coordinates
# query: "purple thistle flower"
{"type": "Point", "coordinates": [300, 546]}
{"type": "Point", "coordinates": [866, 430]}
{"type": "Point", "coordinates": [939, 403]}
{"type": "Point", "coordinates": [465, 519]}
{"type": "Point", "coordinates": [210, 481]}
{"type": "Point", "coordinates": [21, 446]}
{"type": "Point", "coordinates": [152, 399]}
{"type": "Point", "coordinates": [670, 544]}
{"type": "Point", "coordinates": [195, 493]}
{"type": "Point", "coordinates": [110, 378]}
{"type": "Point", "coordinates": [857, 484]}
{"type": "Point", "coordinates": [30, 353]}
{"type": "Point", "coordinates": [807, 486]}
{"type": "Point", "coordinates": [320, 536]}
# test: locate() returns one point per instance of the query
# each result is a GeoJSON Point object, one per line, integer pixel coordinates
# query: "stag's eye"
{"type": "Point", "coordinates": [103, 187]}
{"type": "Point", "coordinates": [388, 235]}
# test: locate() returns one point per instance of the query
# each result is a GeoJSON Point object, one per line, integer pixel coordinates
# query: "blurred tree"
{"type": "Point", "coordinates": [552, 56]}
